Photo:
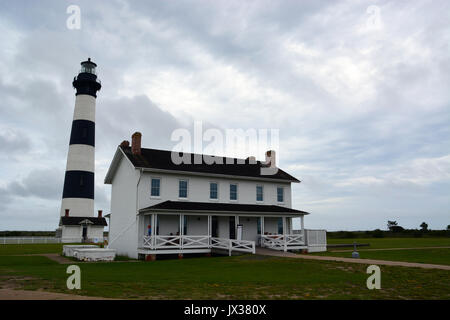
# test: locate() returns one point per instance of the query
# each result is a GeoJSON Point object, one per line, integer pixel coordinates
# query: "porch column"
{"type": "Point", "coordinates": [303, 228]}
{"type": "Point", "coordinates": [209, 231]}
{"type": "Point", "coordinates": [181, 224]}
{"type": "Point", "coordinates": [153, 230]}
{"type": "Point", "coordinates": [261, 241]}
{"type": "Point", "coordinates": [284, 233]}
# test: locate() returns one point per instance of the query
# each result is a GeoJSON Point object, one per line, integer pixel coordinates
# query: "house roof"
{"type": "Point", "coordinates": [220, 207]}
{"type": "Point", "coordinates": [73, 221]}
{"type": "Point", "coordinates": [162, 160]}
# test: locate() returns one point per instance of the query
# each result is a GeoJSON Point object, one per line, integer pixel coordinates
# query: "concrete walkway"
{"type": "Point", "coordinates": [11, 294]}
{"type": "Point", "coordinates": [390, 249]}
{"type": "Point", "coordinates": [276, 253]}
{"type": "Point", "coordinates": [52, 256]}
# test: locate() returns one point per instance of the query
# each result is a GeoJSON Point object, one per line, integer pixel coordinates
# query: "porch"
{"type": "Point", "coordinates": [197, 232]}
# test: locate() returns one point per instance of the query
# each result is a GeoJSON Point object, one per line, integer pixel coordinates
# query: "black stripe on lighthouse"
{"type": "Point", "coordinates": [79, 184]}
{"type": "Point", "coordinates": [83, 132]}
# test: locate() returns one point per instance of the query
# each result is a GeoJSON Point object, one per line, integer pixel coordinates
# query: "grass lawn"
{"type": "Point", "coordinates": [434, 256]}
{"type": "Point", "coordinates": [12, 249]}
{"type": "Point", "coordinates": [241, 277]}
{"type": "Point", "coordinates": [380, 243]}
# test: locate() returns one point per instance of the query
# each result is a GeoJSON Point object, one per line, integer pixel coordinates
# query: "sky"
{"type": "Point", "coordinates": [357, 89]}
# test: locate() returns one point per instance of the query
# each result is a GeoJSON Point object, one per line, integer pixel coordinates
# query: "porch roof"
{"type": "Point", "coordinates": [220, 208]}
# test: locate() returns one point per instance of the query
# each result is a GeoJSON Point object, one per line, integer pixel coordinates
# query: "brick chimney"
{"type": "Point", "coordinates": [100, 213]}
{"type": "Point", "coordinates": [136, 143]}
{"type": "Point", "coordinates": [271, 158]}
{"type": "Point", "coordinates": [67, 213]}
{"type": "Point", "coordinates": [125, 143]}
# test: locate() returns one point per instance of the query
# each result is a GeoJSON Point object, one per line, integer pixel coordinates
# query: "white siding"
{"type": "Point", "coordinates": [271, 225]}
{"type": "Point", "coordinates": [168, 224]}
{"type": "Point", "coordinates": [249, 228]}
{"type": "Point", "coordinates": [197, 225]}
{"type": "Point", "coordinates": [198, 190]}
{"type": "Point", "coordinates": [123, 227]}
{"type": "Point", "coordinates": [223, 226]}
{"type": "Point", "coordinates": [95, 232]}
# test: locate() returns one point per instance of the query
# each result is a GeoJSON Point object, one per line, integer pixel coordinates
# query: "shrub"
{"type": "Point", "coordinates": [377, 233]}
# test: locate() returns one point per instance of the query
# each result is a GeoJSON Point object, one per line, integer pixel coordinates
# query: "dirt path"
{"type": "Point", "coordinates": [11, 294]}
{"type": "Point", "coordinates": [275, 253]}
{"type": "Point", "coordinates": [390, 249]}
{"type": "Point", "coordinates": [52, 256]}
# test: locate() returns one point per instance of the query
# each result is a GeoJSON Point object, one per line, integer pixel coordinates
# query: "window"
{"type": "Point", "coordinates": [183, 189]}
{"type": "Point", "coordinates": [233, 191]}
{"type": "Point", "coordinates": [259, 193]}
{"type": "Point", "coordinates": [280, 194]}
{"type": "Point", "coordinates": [155, 187]}
{"type": "Point", "coordinates": [213, 190]}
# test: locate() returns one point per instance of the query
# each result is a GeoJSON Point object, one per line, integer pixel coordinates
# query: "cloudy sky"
{"type": "Point", "coordinates": [358, 89]}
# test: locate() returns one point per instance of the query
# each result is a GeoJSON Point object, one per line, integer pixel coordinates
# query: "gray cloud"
{"type": "Point", "coordinates": [357, 108]}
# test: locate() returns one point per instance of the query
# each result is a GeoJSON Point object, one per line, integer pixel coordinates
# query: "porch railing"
{"type": "Point", "coordinates": [197, 242]}
{"type": "Point", "coordinates": [233, 245]}
{"type": "Point", "coordinates": [282, 242]}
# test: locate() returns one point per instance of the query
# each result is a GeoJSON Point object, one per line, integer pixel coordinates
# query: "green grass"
{"type": "Point", "coordinates": [15, 249]}
{"type": "Point", "coordinates": [434, 256]}
{"type": "Point", "coordinates": [241, 277]}
{"type": "Point", "coordinates": [379, 243]}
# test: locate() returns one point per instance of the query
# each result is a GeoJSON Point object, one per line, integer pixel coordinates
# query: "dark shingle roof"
{"type": "Point", "coordinates": [162, 159]}
{"type": "Point", "coordinates": [73, 221]}
{"type": "Point", "coordinates": [225, 207]}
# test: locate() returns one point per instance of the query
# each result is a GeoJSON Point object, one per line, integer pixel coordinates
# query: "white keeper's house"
{"type": "Point", "coordinates": [160, 207]}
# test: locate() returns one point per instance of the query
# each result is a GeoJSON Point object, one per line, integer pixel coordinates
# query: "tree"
{"type": "Point", "coordinates": [448, 227]}
{"type": "Point", "coordinates": [391, 224]}
{"type": "Point", "coordinates": [424, 226]}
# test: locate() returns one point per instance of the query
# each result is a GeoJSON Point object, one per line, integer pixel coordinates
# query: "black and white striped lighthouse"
{"type": "Point", "coordinates": [78, 192]}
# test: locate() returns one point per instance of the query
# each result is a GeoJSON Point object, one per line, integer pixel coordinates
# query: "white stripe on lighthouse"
{"type": "Point", "coordinates": [81, 157]}
{"type": "Point", "coordinates": [79, 207]}
{"type": "Point", "coordinates": [84, 108]}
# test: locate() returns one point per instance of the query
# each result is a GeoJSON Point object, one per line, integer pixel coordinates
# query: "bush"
{"type": "Point", "coordinates": [397, 229]}
{"type": "Point", "coordinates": [417, 234]}
{"type": "Point", "coordinates": [349, 235]}
{"type": "Point", "coordinates": [377, 233]}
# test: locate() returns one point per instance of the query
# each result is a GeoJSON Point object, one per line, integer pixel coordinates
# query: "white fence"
{"type": "Point", "coordinates": [197, 242]}
{"type": "Point", "coordinates": [316, 237]}
{"type": "Point", "coordinates": [282, 242]}
{"type": "Point", "coordinates": [32, 240]}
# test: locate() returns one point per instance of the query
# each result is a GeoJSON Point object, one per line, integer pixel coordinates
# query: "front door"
{"type": "Point", "coordinates": [214, 226]}
{"type": "Point", "coordinates": [232, 228]}
{"type": "Point", "coordinates": [84, 233]}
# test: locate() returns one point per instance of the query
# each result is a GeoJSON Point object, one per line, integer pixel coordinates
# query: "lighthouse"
{"type": "Point", "coordinates": [77, 205]}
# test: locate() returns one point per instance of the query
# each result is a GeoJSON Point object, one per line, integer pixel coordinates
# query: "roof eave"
{"type": "Point", "coordinates": [218, 175]}
{"type": "Point", "coordinates": [151, 209]}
